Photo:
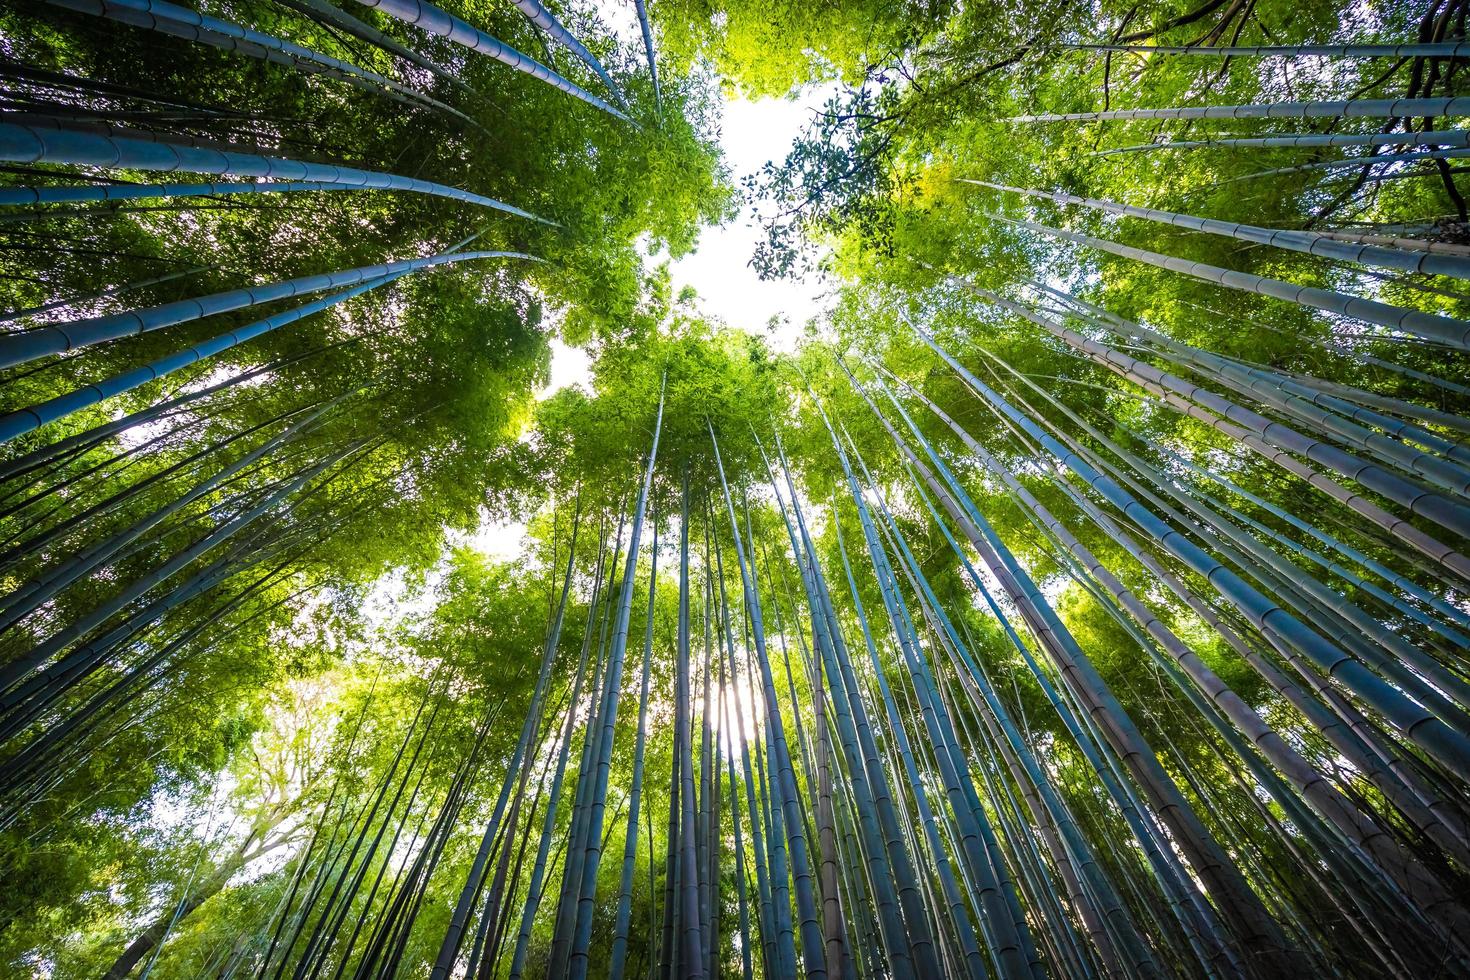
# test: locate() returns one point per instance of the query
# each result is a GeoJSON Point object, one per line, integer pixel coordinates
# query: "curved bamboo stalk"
{"type": "Point", "coordinates": [78, 193]}
{"type": "Point", "coordinates": [1441, 49]}
{"type": "Point", "coordinates": [430, 18]}
{"type": "Point", "coordinates": [647, 32]}
{"type": "Point", "coordinates": [1308, 242]}
{"type": "Point", "coordinates": [1349, 108]}
{"type": "Point", "coordinates": [548, 825]}
{"type": "Point", "coordinates": [1433, 137]}
{"type": "Point", "coordinates": [1444, 510]}
{"type": "Point", "coordinates": [172, 19]}
{"type": "Point", "coordinates": [33, 417]}
{"type": "Point", "coordinates": [1441, 329]}
{"type": "Point", "coordinates": [44, 141]}
{"type": "Point", "coordinates": [1343, 163]}
{"type": "Point", "coordinates": [545, 20]}
{"type": "Point", "coordinates": [54, 339]}
{"type": "Point", "coordinates": [619, 955]}
{"type": "Point", "coordinates": [333, 16]}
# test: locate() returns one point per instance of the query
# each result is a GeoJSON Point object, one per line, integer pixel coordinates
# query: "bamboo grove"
{"type": "Point", "coordinates": [1086, 593]}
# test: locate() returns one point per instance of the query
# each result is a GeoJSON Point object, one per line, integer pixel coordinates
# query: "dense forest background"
{"type": "Point", "coordinates": [1086, 594]}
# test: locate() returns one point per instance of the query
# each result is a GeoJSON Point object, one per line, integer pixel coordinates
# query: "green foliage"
{"type": "Point", "coordinates": [311, 720]}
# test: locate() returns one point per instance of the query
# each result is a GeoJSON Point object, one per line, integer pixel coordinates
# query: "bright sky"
{"type": "Point", "coordinates": [752, 133]}
{"type": "Point", "coordinates": [719, 270]}
{"type": "Point", "coordinates": [569, 366]}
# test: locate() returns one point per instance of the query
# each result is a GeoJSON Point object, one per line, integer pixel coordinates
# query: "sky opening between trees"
{"type": "Point", "coordinates": [1082, 592]}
